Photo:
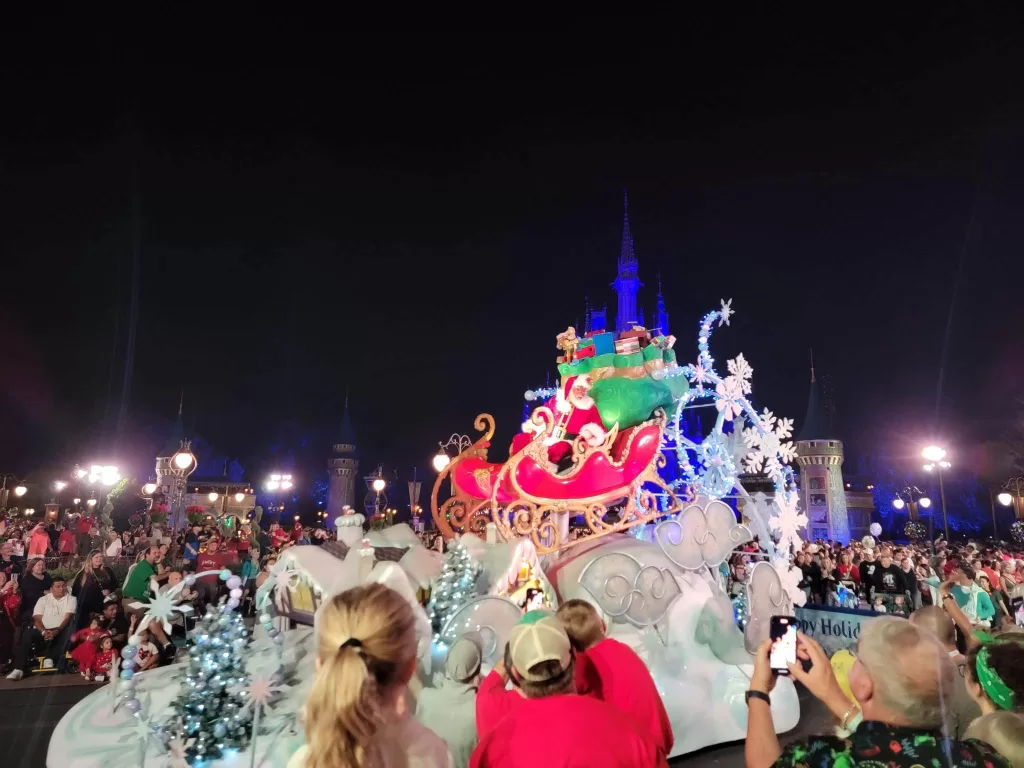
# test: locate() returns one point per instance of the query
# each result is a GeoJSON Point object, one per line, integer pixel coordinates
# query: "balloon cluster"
{"type": "Point", "coordinates": [875, 529]}
{"type": "Point", "coordinates": [1017, 531]}
{"type": "Point", "coordinates": [914, 530]}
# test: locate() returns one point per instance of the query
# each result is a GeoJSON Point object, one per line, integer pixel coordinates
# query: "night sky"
{"type": "Point", "coordinates": [412, 209]}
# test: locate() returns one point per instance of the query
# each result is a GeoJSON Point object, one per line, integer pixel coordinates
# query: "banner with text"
{"type": "Point", "coordinates": [834, 628]}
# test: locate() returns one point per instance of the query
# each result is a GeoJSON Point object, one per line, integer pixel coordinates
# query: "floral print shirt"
{"type": "Point", "coordinates": [877, 745]}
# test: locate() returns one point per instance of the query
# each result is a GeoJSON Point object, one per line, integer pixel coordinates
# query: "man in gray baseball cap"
{"type": "Point", "coordinates": [450, 709]}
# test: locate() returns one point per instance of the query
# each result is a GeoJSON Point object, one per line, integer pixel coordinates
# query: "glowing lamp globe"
{"type": "Point", "coordinates": [934, 453]}
{"type": "Point", "coordinates": [80, 473]}
{"type": "Point", "coordinates": [183, 460]}
{"type": "Point", "coordinates": [213, 496]}
{"type": "Point", "coordinates": [1005, 499]}
{"type": "Point", "coordinates": [925, 502]}
{"type": "Point", "coordinates": [286, 484]}
{"type": "Point", "coordinates": [29, 512]}
{"type": "Point", "coordinates": [441, 461]}
{"type": "Point", "coordinates": [239, 497]}
{"type": "Point", "coordinates": [95, 469]}
{"type": "Point", "coordinates": [60, 485]}
{"type": "Point", "coordinates": [149, 489]}
{"type": "Point", "coordinates": [379, 484]}
{"type": "Point", "coordinates": [273, 485]}
{"type": "Point", "coordinates": [76, 501]}
{"type": "Point", "coordinates": [20, 490]}
{"type": "Point", "coordinates": [898, 503]}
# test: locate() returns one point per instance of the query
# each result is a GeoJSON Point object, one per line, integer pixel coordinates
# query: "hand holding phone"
{"type": "Point", "coordinates": [782, 631]}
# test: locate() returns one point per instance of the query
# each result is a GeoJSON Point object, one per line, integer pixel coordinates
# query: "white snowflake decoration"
{"type": "Point", "coordinates": [790, 576]}
{"type": "Point", "coordinates": [769, 451]}
{"type": "Point", "coordinates": [788, 522]}
{"type": "Point", "coordinates": [699, 374]}
{"type": "Point", "coordinates": [740, 369]}
{"type": "Point", "coordinates": [730, 397]}
{"type": "Point", "coordinates": [726, 312]}
{"type": "Point", "coordinates": [162, 607]}
{"type": "Point", "coordinates": [176, 752]}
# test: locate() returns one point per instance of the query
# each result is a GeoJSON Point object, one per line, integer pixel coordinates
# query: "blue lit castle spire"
{"type": "Point", "coordinates": [627, 283]}
{"type": "Point", "coordinates": [661, 316]}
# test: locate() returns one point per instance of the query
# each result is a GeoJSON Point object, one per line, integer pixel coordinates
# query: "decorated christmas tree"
{"type": "Point", "coordinates": [210, 714]}
{"type": "Point", "coordinates": [454, 586]}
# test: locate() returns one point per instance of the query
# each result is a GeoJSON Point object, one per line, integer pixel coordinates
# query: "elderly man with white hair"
{"type": "Point", "coordinates": [900, 681]}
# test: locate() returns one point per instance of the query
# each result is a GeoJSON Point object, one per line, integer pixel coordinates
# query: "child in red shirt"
{"type": "Point", "coordinates": [88, 640]}
{"type": "Point", "coordinates": [103, 662]}
{"type": "Point", "coordinates": [611, 671]}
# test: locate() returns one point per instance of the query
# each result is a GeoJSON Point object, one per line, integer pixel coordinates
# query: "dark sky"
{"type": "Point", "coordinates": [412, 209]}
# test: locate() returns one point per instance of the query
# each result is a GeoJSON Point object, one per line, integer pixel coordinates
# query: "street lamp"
{"type": "Point", "coordinates": [213, 496]}
{"type": "Point", "coordinates": [379, 485]}
{"type": "Point", "coordinates": [278, 482]}
{"type": "Point", "coordinates": [20, 490]}
{"type": "Point", "coordinates": [936, 461]}
{"type": "Point", "coordinates": [182, 464]}
{"type": "Point", "coordinates": [60, 485]}
{"type": "Point", "coordinates": [29, 512]}
{"type": "Point", "coordinates": [911, 497]}
{"type": "Point", "coordinates": [457, 441]}
{"type": "Point", "coordinates": [239, 497]}
{"type": "Point", "coordinates": [149, 489]}
{"type": "Point", "coordinates": [1011, 496]}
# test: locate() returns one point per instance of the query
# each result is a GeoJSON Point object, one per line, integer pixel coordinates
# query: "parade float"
{"type": "Point", "coordinates": [580, 507]}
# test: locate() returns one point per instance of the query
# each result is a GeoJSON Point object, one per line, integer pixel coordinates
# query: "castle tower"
{"type": "Point", "coordinates": [820, 459]}
{"type": "Point", "coordinates": [661, 316]}
{"type": "Point", "coordinates": [341, 470]}
{"type": "Point", "coordinates": [627, 283]}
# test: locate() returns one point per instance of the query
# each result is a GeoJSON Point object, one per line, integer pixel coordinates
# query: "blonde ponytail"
{"type": "Point", "coordinates": [367, 641]}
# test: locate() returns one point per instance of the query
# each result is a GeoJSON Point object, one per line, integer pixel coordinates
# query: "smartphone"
{"type": "Point", "coordinates": [782, 631]}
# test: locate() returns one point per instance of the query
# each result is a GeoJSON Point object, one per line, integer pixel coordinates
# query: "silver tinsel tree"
{"type": "Point", "coordinates": [210, 712]}
{"type": "Point", "coordinates": [455, 586]}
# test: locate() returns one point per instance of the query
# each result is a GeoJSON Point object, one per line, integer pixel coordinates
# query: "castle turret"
{"type": "Point", "coordinates": [627, 283]}
{"type": "Point", "coordinates": [820, 459]}
{"type": "Point", "coordinates": [661, 316]}
{"type": "Point", "coordinates": [341, 469]}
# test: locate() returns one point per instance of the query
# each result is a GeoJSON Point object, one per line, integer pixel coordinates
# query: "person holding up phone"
{"type": "Point", "coordinates": [897, 683]}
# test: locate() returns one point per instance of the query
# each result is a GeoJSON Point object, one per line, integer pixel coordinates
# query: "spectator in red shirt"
{"type": "Point", "coordinates": [592, 732]}
{"type": "Point", "coordinates": [493, 701]}
{"type": "Point", "coordinates": [210, 560]}
{"type": "Point", "coordinates": [611, 671]}
{"type": "Point", "coordinates": [296, 532]}
{"type": "Point", "coordinates": [66, 543]}
{"type": "Point", "coordinates": [278, 534]}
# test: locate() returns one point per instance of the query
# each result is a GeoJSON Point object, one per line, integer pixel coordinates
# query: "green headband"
{"type": "Point", "coordinates": [1000, 693]}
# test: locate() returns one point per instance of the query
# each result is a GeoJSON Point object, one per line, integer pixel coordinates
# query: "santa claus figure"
{"type": "Point", "coordinates": [575, 414]}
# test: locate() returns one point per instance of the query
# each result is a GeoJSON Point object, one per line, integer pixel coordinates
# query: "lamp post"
{"type": "Point", "coordinates": [277, 482]}
{"type": "Point", "coordinates": [376, 499]}
{"type": "Point", "coordinates": [936, 458]}
{"type": "Point", "coordinates": [1011, 496]}
{"type": "Point", "coordinates": [19, 489]}
{"type": "Point", "coordinates": [457, 441]}
{"type": "Point", "coordinates": [911, 497]}
{"type": "Point", "coordinates": [183, 464]}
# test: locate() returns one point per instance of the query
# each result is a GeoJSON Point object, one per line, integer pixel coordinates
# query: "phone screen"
{"type": "Point", "coordinates": [783, 637]}
{"type": "Point", "coordinates": [1017, 609]}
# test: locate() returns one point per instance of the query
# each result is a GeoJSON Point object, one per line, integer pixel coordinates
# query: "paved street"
{"type": "Point", "coordinates": [30, 710]}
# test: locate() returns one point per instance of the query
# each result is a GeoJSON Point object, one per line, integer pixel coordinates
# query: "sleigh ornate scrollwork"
{"type": "Point", "coordinates": [611, 485]}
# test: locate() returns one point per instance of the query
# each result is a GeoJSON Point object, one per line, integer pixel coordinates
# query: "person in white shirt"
{"type": "Point", "coordinates": [51, 621]}
{"type": "Point", "coordinates": [450, 709]}
{"type": "Point", "coordinates": [113, 545]}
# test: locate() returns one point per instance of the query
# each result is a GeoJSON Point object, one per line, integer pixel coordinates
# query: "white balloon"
{"type": "Point", "coordinates": [876, 529]}
{"type": "Point", "coordinates": [868, 541]}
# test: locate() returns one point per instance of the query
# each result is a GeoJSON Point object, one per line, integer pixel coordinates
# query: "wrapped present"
{"type": "Point", "coordinates": [586, 348]}
{"type": "Point", "coordinates": [638, 333]}
{"type": "Point", "coordinates": [627, 346]}
{"type": "Point", "coordinates": [604, 343]}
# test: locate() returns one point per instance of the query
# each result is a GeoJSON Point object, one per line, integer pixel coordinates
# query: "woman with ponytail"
{"type": "Point", "coordinates": [357, 714]}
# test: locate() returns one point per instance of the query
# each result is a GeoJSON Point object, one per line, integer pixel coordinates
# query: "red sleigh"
{"type": "Point", "coordinates": [610, 485]}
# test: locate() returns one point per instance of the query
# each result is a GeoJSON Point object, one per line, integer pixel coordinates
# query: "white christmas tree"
{"type": "Point", "coordinates": [454, 587]}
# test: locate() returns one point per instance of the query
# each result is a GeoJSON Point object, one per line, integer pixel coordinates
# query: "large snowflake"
{"type": "Point", "coordinates": [790, 576]}
{"type": "Point", "coordinates": [162, 607]}
{"type": "Point", "coordinates": [730, 397]}
{"type": "Point", "coordinates": [740, 368]}
{"type": "Point", "coordinates": [768, 448]}
{"type": "Point", "coordinates": [788, 521]}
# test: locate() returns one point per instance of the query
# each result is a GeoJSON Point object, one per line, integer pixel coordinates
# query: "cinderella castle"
{"type": "Point", "coordinates": [626, 285]}
{"type": "Point", "coordinates": [835, 510]}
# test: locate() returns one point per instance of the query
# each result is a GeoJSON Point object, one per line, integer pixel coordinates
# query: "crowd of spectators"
{"type": "Point", "coordinates": [69, 598]}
